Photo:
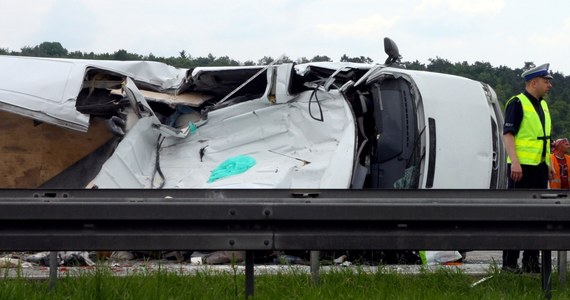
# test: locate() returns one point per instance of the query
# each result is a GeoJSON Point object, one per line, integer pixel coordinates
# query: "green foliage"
{"type": "Point", "coordinates": [319, 58]}
{"type": "Point", "coordinates": [124, 55]}
{"type": "Point", "coordinates": [361, 59]}
{"type": "Point", "coordinates": [336, 283]}
{"type": "Point", "coordinates": [265, 60]}
{"type": "Point", "coordinates": [45, 49]}
{"type": "Point", "coordinates": [505, 81]}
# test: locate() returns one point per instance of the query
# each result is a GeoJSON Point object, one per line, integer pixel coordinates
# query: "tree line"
{"type": "Point", "coordinates": [183, 60]}
{"type": "Point", "coordinates": [505, 81]}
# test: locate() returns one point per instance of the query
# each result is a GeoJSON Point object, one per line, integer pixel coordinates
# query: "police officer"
{"type": "Point", "coordinates": [526, 134]}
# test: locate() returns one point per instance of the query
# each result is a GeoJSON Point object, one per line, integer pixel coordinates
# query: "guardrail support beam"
{"type": "Point", "coordinates": [249, 274]}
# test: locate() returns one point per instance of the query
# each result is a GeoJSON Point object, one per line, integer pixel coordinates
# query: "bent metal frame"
{"type": "Point", "coordinates": [106, 219]}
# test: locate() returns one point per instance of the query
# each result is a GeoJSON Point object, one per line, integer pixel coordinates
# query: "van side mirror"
{"type": "Point", "coordinates": [392, 51]}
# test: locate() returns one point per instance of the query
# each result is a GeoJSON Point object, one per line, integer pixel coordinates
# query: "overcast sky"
{"type": "Point", "coordinates": [501, 32]}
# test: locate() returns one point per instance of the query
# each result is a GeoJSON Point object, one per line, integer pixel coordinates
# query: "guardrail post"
{"type": "Point", "coordinates": [248, 274]}
{"type": "Point", "coordinates": [562, 266]}
{"type": "Point", "coordinates": [546, 273]}
{"type": "Point", "coordinates": [315, 264]}
{"type": "Point", "coordinates": [52, 270]}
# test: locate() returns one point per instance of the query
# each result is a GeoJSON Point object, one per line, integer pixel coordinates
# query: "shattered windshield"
{"type": "Point", "coordinates": [395, 154]}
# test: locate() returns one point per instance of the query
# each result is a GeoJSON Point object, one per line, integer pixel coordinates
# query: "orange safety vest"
{"type": "Point", "coordinates": [555, 183]}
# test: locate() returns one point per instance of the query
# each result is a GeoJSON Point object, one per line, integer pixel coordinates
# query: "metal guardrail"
{"type": "Point", "coordinates": [54, 220]}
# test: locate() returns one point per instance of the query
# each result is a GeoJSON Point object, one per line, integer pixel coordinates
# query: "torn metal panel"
{"type": "Point", "coordinates": [292, 149]}
{"type": "Point", "coordinates": [282, 83]}
{"type": "Point", "coordinates": [330, 67]}
{"type": "Point", "coordinates": [190, 99]}
{"type": "Point", "coordinates": [47, 89]}
{"type": "Point", "coordinates": [221, 81]}
{"type": "Point", "coordinates": [132, 164]}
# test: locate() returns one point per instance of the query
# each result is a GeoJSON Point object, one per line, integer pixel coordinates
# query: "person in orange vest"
{"type": "Point", "coordinates": [560, 161]}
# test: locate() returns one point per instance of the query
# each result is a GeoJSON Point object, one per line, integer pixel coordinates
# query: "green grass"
{"type": "Point", "coordinates": [336, 284]}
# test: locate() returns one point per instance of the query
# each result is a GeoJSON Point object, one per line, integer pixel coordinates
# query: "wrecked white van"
{"type": "Point", "coordinates": [317, 125]}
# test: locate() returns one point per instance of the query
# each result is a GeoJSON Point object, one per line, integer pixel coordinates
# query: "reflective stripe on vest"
{"type": "Point", "coordinates": [530, 139]}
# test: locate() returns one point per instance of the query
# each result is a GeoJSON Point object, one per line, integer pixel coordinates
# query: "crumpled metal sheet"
{"type": "Point", "coordinates": [46, 89]}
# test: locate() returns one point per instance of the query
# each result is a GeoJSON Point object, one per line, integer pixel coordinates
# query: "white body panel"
{"type": "Point", "coordinates": [463, 129]}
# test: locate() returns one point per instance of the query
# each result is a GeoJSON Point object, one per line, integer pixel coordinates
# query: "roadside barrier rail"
{"type": "Point", "coordinates": [105, 219]}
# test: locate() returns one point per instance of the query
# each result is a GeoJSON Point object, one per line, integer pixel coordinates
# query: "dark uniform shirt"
{"type": "Point", "coordinates": [514, 116]}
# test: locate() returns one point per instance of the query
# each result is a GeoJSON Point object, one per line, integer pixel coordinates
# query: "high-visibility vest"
{"type": "Point", "coordinates": [555, 182]}
{"type": "Point", "coordinates": [530, 139]}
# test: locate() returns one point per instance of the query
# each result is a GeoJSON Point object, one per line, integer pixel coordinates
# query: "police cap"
{"type": "Point", "coordinates": [540, 71]}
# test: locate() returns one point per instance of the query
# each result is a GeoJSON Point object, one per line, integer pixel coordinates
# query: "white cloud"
{"type": "Point", "coordinates": [363, 27]}
{"type": "Point", "coordinates": [480, 7]}
{"type": "Point", "coordinates": [555, 36]}
{"type": "Point", "coordinates": [465, 8]}
{"type": "Point", "coordinates": [19, 20]}
{"type": "Point", "coordinates": [551, 44]}
{"type": "Point", "coordinates": [457, 30]}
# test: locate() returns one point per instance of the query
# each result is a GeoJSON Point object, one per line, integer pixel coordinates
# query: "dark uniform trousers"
{"type": "Point", "coordinates": [534, 177]}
